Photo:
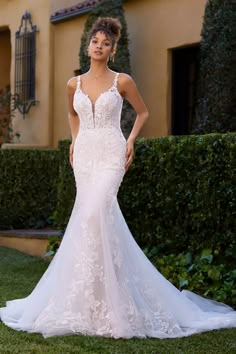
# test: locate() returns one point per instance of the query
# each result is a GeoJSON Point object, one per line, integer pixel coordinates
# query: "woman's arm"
{"type": "Point", "coordinates": [130, 92]}
{"type": "Point", "coordinates": [72, 115]}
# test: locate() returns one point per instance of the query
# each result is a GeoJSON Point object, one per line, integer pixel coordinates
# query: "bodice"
{"type": "Point", "coordinates": [104, 113]}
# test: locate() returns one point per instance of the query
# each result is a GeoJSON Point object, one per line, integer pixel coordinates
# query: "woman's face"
{"type": "Point", "coordinates": [100, 47]}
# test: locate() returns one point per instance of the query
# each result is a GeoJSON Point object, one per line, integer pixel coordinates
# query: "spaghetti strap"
{"type": "Point", "coordinates": [78, 82]}
{"type": "Point", "coordinates": [115, 80]}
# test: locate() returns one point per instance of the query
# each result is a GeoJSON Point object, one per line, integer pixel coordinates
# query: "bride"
{"type": "Point", "coordinates": [100, 282]}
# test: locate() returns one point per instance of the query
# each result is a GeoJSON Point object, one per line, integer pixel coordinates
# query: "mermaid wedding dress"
{"type": "Point", "coordinates": [100, 282]}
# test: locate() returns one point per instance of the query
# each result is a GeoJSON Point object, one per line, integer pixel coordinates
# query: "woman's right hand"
{"type": "Point", "coordinates": [71, 153]}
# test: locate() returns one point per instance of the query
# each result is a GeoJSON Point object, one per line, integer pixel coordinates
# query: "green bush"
{"type": "Point", "coordinates": [216, 94]}
{"type": "Point", "coordinates": [177, 195]}
{"type": "Point", "coordinates": [211, 273]}
{"type": "Point", "coordinates": [28, 187]}
{"type": "Point", "coordinates": [180, 192]}
{"type": "Point", "coordinates": [66, 186]}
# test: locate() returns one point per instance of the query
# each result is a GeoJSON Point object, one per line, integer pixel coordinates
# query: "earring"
{"type": "Point", "coordinates": [112, 58]}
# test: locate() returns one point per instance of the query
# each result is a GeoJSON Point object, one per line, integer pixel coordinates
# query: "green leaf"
{"type": "Point", "coordinates": [182, 282]}
{"type": "Point", "coordinates": [214, 274]}
{"type": "Point", "coordinates": [49, 254]}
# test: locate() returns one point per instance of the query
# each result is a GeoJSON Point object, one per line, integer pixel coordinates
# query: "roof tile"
{"type": "Point", "coordinates": [73, 11]}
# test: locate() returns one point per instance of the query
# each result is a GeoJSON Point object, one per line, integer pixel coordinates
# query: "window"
{"type": "Point", "coordinates": [25, 51]}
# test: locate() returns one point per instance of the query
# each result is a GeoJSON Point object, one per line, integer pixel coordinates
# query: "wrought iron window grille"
{"type": "Point", "coordinates": [25, 55]}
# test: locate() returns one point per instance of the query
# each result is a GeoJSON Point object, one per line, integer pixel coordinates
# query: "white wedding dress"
{"type": "Point", "coordinates": [100, 282]}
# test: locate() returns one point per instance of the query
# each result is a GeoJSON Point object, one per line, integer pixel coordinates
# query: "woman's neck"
{"type": "Point", "coordinates": [98, 69]}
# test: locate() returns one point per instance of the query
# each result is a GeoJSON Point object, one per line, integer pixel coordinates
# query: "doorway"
{"type": "Point", "coordinates": [5, 67]}
{"type": "Point", "coordinates": [5, 57]}
{"type": "Point", "coordinates": [185, 67]}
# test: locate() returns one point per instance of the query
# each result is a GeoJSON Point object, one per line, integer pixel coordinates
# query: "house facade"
{"type": "Point", "coordinates": [164, 45]}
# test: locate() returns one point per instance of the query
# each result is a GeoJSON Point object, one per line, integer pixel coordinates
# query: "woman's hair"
{"type": "Point", "coordinates": [110, 26]}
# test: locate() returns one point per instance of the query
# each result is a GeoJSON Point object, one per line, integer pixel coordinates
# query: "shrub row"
{"type": "Point", "coordinates": [28, 187]}
{"type": "Point", "coordinates": [66, 187]}
{"type": "Point", "coordinates": [179, 192]}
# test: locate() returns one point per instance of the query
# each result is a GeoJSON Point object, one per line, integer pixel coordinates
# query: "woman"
{"type": "Point", "coordinates": [100, 282]}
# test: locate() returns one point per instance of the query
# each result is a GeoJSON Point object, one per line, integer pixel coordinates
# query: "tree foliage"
{"type": "Point", "coordinates": [216, 96]}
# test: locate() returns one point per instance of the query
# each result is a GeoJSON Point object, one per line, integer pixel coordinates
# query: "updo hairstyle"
{"type": "Point", "coordinates": [110, 26]}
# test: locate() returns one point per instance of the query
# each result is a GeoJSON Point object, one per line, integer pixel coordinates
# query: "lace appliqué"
{"type": "Point", "coordinates": [104, 113]}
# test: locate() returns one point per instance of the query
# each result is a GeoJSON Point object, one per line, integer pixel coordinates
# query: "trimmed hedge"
{"type": "Point", "coordinates": [178, 193]}
{"type": "Point", "coordinates": [66, 186]}
{"type": "Point", "coordinates": [28, 187]}
{"type": "Point", "coordinates": [177, 198]}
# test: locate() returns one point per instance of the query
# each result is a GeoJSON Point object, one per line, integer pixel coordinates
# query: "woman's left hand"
{"type": "Point", "coordinates": [129, 154]}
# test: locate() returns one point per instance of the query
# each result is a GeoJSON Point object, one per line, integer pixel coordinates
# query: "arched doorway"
{"type": "Point", "coordinates": [5, 67]}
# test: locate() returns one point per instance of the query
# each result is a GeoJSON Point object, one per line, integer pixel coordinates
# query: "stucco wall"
{"type": "Point", "coordinates": [156, 26]}
{"type": "Point", "coordinates": [36, 127]}
{"type": "Point", "coordinates": [67, 37]}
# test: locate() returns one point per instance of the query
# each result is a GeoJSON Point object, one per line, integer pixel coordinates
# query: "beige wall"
{"type": "Point", "coordinates": [5, 57]}
{"type": "Point", "coordinates": [36, 127]}
{"type": "Point", "coordinates": [67, 37]}
{"type": "Point", "coordinates": [156, 26]}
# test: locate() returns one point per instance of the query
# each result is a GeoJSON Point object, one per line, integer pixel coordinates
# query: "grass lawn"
{"type": "Point", "coordinates": [18, 275]}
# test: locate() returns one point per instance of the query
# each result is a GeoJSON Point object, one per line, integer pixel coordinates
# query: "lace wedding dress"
{"type": "Point", "coordinates": [100, 282]}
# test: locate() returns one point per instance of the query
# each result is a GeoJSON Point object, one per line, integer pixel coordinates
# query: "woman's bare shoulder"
{"type": "Point", "coordinates": [72, 83]}
{"type": "Point", "coordinates": [125, 83]}
{"type": "Point", "coordinates": [125, 78]}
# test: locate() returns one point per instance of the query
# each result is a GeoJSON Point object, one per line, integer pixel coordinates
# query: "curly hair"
{"type": "Point", "coordinates": [110, 26]}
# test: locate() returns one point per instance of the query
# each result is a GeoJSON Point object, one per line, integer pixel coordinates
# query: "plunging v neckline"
{"type": "Point", "coordinates": [93, 103]}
